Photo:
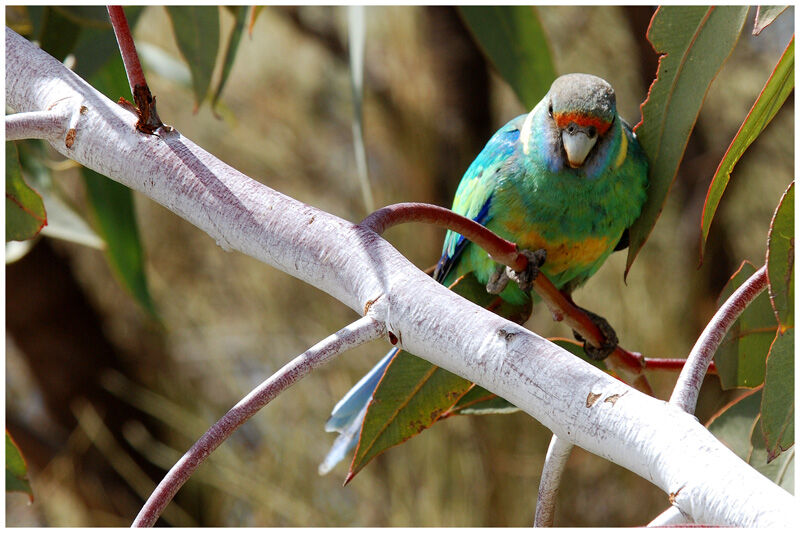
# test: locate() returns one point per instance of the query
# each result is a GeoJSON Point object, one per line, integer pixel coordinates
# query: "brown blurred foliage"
{"type": "Point", "coordinates": [102, 400]}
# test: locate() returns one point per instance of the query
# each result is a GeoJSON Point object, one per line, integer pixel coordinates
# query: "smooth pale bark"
{"type": "Point", "coordinates": [577, 402]}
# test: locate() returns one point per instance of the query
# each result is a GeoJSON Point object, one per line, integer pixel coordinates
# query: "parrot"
{"type": "Point", "coordinates": [565, 182]}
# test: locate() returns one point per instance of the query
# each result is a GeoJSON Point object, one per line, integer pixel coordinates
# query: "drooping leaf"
{"type": "Point", "coordinates": [16, 469]}
{"type": "Point", "coordinates": [780, 470]}
{"type": "Point", "coordinates": [112, 203]}
{"type": "Point", "coordinates": [234, 38]}
{"type": "Point", "coordinates": [112, 206]}
{"type": "Point", "coordinates": [741, 356]}
{"type": "Point", "coordinates": [766, 15]}
{"type": "Point", "coordinates": [694, 42]}
{"type": "Point", "coordinates": [196, 31]}
{"type": "Point", "coordinates": [414, 394]}
{"type": "Point", "coordinates": [778, 87]}
{"type": "Point", "coordinates": [780, 260]}
{"type": "Point", "coordinates": [25, 214]}
{"type": "Point", "coordinates": [737, 426]}
{"type": "Point", "coordinates": [356, 31]}
{"type": "Point", "coordinates": [777, 405]}
{"type": "Point", "coordinates": [513, 39]}
{"type": "Point", "coordinates": [428, 392]}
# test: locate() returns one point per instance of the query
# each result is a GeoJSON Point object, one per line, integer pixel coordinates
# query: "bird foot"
{"type": "Point", "coordinates": [524, 278]}
{"type": "Point", "coordinates": [610, 338]}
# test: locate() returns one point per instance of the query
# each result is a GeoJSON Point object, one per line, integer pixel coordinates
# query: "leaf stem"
{"type": "Point", "coordinates": [359, 332]}
{"type": "Point", "coordinates": [691, 377]}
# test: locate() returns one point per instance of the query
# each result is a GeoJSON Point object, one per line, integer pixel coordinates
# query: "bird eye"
{"type": "Point", "coordinates": [550, 110]}
{"type": "Point", "coordinates": [592, 132]}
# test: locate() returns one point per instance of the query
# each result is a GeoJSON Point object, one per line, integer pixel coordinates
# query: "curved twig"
{"type": "Point", "coordinates": [507, 253]}
{"type": "Point", "coordinates": [554, 463]}
{"type": "Point", "coordinates": [691, 377]}
{"type": "Point", "coordinates": [357, 333]}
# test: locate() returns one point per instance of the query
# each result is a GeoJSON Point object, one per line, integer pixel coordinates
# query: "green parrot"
{"type": "Point", "coordinates": [565, 182]}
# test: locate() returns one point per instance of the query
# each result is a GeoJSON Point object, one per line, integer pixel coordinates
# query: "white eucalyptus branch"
{"type": "Point", "coordinates": [672, 516]}
{"type": "Point", "coordinates": [554, 463]}
{"type": "Point", "coordinates": [576, 401]}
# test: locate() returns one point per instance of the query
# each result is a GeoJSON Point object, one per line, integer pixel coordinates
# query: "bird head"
{"type": "Point", "coordinates": [582, 107]}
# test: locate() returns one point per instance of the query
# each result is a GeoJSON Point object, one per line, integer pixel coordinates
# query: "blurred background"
{"type": "Point", "coordinates": [102, 399]}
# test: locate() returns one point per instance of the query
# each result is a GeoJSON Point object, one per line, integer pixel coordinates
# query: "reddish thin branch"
{"type": "Point", "coordinates": [506, 253]}
{"type": "Point", "coordinates": [691, 377]}
{"type": "Point", "coordinates": [145, 102]}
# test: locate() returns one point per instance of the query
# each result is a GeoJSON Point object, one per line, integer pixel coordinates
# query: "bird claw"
{"type": "Point", "coordinates": [610, 341]}
{"type": "Point", "coordinates": [524, 278]}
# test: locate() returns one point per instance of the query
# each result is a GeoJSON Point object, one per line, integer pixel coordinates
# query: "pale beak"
{"type": "Point", "coordinates": [577, 144]}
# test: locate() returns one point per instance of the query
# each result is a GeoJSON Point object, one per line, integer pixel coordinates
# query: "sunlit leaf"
{"type": "Point", "coordinates": [234, 38]}
{"type": "Point", "coordinates": [780, 260]}
{"type": "Point", "coordinates": [777, 406]}
{"type": "Point", "coordinates": [741, 356]}
{"type": "Point", "coordinates": [25, 214]}
{"type": "Point", "coordinates": [766, 15]}
{"type": "Point", "coordinates": [16, 469]}
{"type": "Point", "coordinates": [196, 31]}
{"type": "Point", "coordinates": [513, 39]}
{"type": "Point", "coordinates": [778, 87]}
{"type": "Point", "coordinates": [694, 42]}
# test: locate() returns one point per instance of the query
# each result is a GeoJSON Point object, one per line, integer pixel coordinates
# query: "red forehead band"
{"type": "Point", "coordinates": [584, 121]}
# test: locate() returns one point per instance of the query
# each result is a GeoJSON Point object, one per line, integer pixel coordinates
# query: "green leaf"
{"type": "Point", "coordinates": [91, 16]}
{"type": "Point", "coordinates": [513, 39]}
{"type": "Point", "coordinates": [25, 214]}
{"type": "Point", "coordinates": [780, 470]}
{"type": "Point", "coordinates": [414, 394]}
{"type": "Point", "coordinates": [197, 34]}
{"type": "Point", "coordinates": [425, 392]}
{"type": "Point", "coordinates": [780, 260]}
{"type": "Point", "coordinates": [112, 206]}
{"type": "Point", "coordinates": [737, 426]}
{"type": "Point", "coordinates": [777, 405]}
{"type": "Point", "coordinates": [232, 45]}
{"type": "Point", "coordinates": [694, 43]}
{"type": "Point", "coordinates": [16, 469]}
{"type": "Point", "coordinates": [741, 356]}
{"type": "Point", "coordinates": [765, 15]}
{"type": "Point", "coordinates": [778, 87]}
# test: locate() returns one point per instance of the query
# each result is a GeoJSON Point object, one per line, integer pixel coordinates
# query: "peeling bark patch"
{"type": "Point", "coordinates": [614, 397]}
{"type": "Point", "coordinates": [507, 335]}
{"type": "Point", "coordinates": [311, 221]}
{"type": "Point", "coordinates": [369, 303]}
{"type": "Point", "coordinates": [83, 110]}
{"type": "Point", "coordinates": [592, 398]}
{"type": "Point", "coordinates": [673, 496]}
{"type": "Point", "coordinates": [70, 140]}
